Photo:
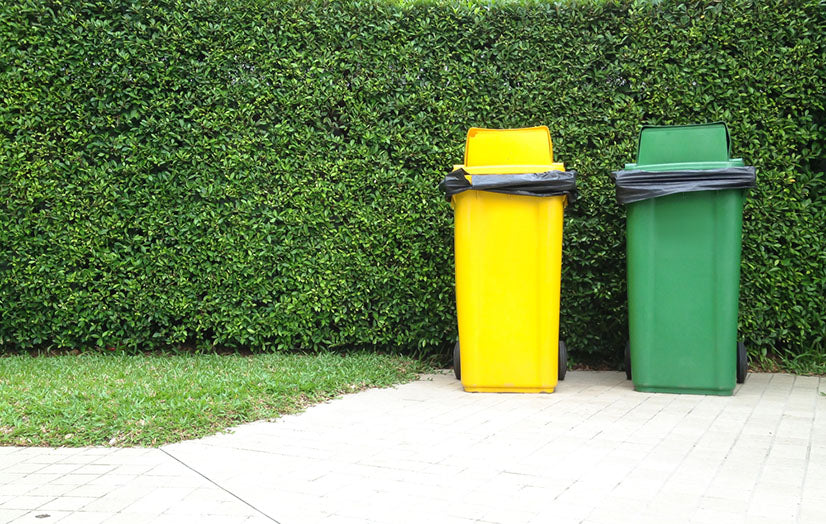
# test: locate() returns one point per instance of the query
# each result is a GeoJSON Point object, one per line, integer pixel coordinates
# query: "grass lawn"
{"type": "Point", "coordinates": [148, 400]}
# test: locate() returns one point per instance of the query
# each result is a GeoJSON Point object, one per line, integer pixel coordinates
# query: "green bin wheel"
{"type": "Point", "coordinates": [742, 362]}
{"type": "Point", "coordinates": [628, 360]}
{"type": "Point", "coordinates": [457, 364]}
{"type": "Point", "coordinates": [563, 359]}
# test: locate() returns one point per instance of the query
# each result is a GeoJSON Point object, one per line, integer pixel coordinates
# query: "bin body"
{"type": "Point", "coordinates": [683, 286]}
{"type": "Point", "coordinates": [683, 256]}
{"type": "Point", "coordinates": [508, 251]}
{"type": "Point", "coordinates": [508, 261]}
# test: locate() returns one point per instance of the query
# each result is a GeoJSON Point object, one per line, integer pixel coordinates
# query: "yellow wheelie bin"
{"type": "Point", "coordinates": [508, 199]}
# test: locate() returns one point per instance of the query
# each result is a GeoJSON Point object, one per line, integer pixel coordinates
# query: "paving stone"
{"type": "Point", "coordinates": [10, 515]}
{"type": "Point", "coordinates": [85, 517]}
{"type": "Point", "coordinates": [42, 516]}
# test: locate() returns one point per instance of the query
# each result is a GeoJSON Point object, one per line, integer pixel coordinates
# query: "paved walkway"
{"type": "Point", "coordinates": [593, 452]}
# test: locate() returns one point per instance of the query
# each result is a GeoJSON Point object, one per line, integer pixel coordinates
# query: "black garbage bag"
{"type": "Point", "coordinates": [548, 183]}
{"type": "Point", "coordinates": [634, 185]}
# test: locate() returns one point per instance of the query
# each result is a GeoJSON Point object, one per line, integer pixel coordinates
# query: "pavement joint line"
{"type": "Point", "coordinates": [222, 488]}
{"type": "Point", "coordinates": [676, 469]}
{"type": "Point", "coordinates": [706, 493]}
{"type": "Point", "coordinates": [808, 450]}
{"type": "Point", "coordinates": [240, 448]}
{"type": "Point", "coordinates": [771, 444]}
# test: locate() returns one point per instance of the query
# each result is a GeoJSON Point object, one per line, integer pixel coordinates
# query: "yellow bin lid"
{"type": "Point", "coordinates": [510, 147]}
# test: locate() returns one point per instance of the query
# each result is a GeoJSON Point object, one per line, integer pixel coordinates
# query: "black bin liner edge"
{"type": "Point", "coordinates": [548, 183]}
{"type": "Point", "coordinates": [634, 185]}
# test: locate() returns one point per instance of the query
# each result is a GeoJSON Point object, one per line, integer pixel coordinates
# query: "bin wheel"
{"type": "Point", "coordinates": [742, 362]}
{"type": "Point", "coordinates": [563, 359]}
{"type": "Point", "coordinates": [628, 360]}
{"type": "Point", "coordinates": [457, 364]}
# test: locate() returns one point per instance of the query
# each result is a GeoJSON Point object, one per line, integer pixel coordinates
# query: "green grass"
{"type": "Point", "coordinates": [149, 400]}
{"type": "Point", "coordinates": [810, 363]}
{"type": "Point", "coordinates": [807, 363]}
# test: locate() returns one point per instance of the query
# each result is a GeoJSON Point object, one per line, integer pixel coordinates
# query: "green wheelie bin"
{"type": "Point", "coordinates": [684, 199]}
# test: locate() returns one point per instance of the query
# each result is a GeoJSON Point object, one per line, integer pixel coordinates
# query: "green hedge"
{"type": "Point", "coordinates": [262, 174]}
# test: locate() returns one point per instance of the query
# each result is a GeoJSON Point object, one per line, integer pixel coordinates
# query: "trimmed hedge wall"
{"type": "Point", "coordinates": [262, 174]}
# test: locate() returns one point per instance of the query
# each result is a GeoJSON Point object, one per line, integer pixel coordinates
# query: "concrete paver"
{"type": "Point", "coordinates": [87, 485]}
{"type": "Point", "coordinates": [595, 451]}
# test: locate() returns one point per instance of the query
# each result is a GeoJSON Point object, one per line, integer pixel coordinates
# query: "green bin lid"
{"type": "Point", "coordinates": [685, 143]}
